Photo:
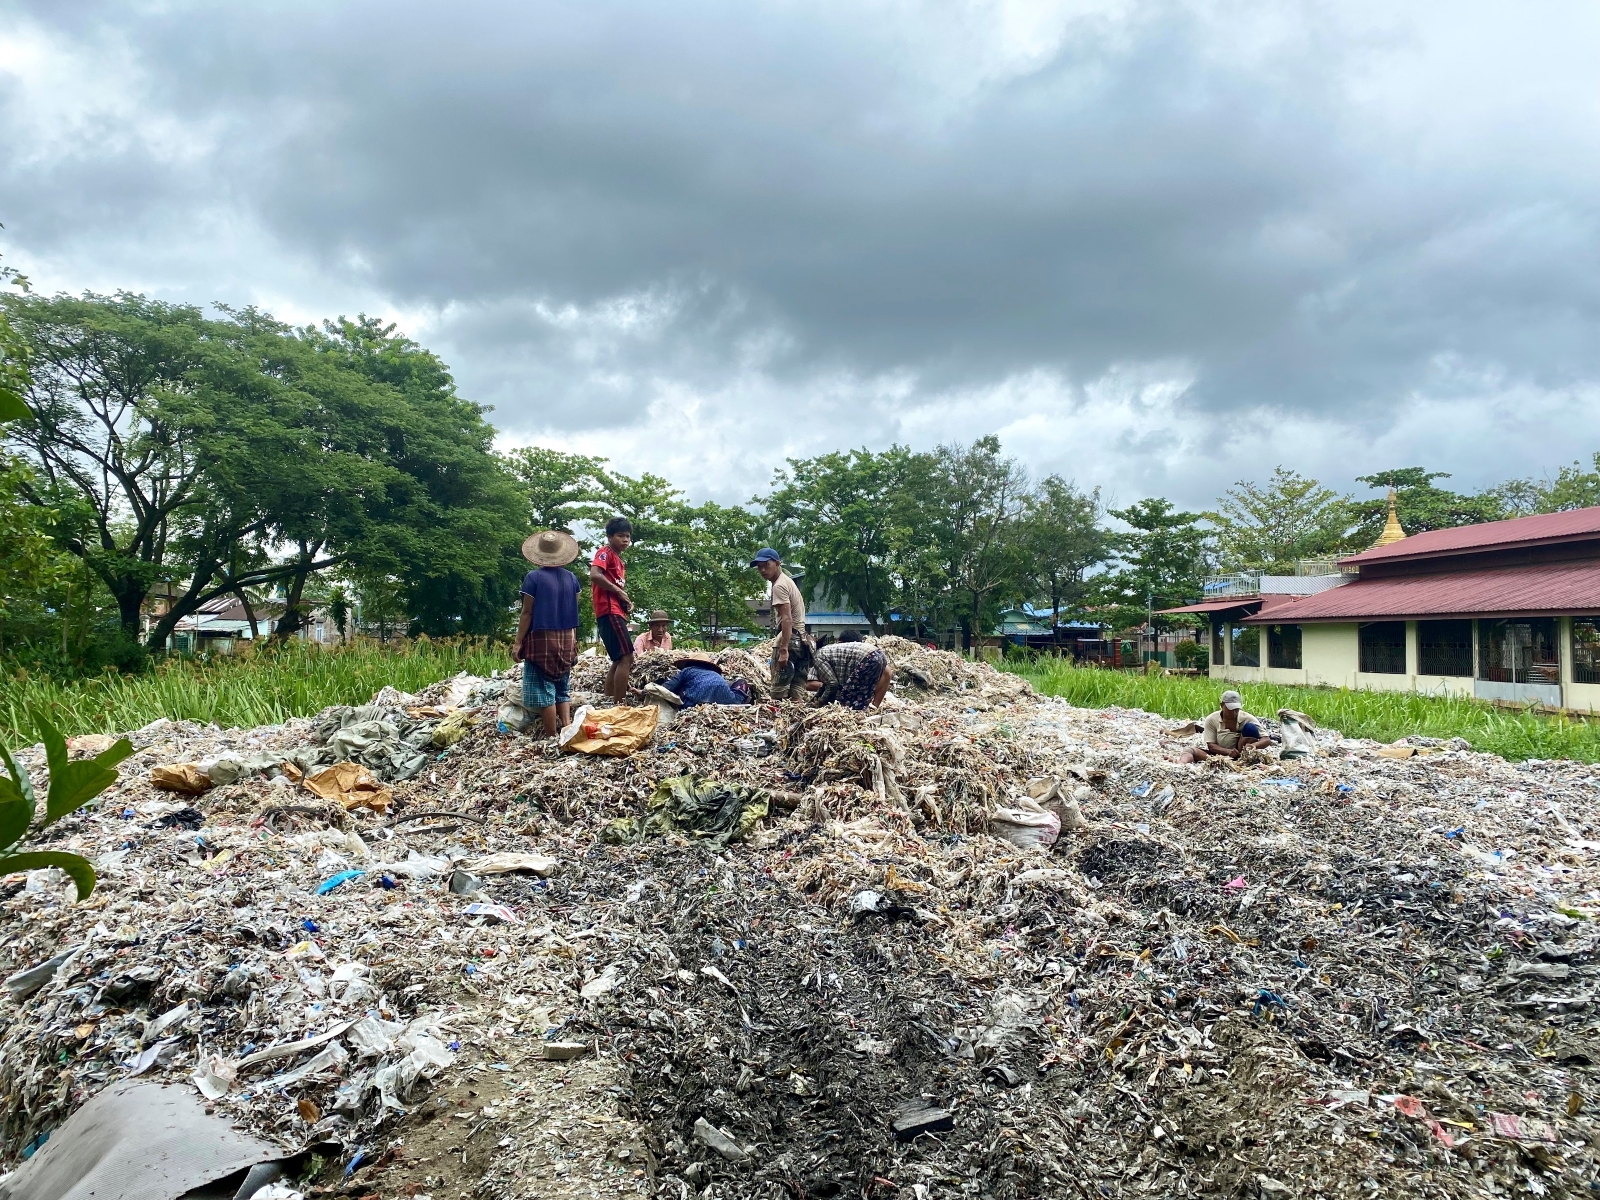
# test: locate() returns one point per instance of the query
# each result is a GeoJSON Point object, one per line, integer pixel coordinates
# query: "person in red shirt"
{"type": "Point", "coordinates": [608, 578]}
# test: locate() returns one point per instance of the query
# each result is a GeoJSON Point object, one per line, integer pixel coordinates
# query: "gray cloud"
{"type": "Point", "coordinates": [741, 230]}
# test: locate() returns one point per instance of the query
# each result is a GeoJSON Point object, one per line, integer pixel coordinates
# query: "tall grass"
{"type": "Point", "coordinates": [262, 688]}
{"type": "Point", "coordinates": [1514, 733]}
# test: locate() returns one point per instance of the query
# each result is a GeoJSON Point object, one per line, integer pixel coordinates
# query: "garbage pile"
{"type": "Point", "coordinates": [976, 943]}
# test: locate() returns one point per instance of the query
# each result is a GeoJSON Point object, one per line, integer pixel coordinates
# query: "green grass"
{"type": "Point", "coordinates": [1513, 733]}
{"type": "Point", "coordinates": [263, 688]}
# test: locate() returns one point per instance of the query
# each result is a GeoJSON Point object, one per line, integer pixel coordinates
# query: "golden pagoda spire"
{"type": "Point", "coordinates": [1392, 532]}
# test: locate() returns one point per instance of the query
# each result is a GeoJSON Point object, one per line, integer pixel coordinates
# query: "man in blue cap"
{"type": "Point", "coordinates": [791, 652]}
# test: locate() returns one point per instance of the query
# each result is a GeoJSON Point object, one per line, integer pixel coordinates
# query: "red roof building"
{"type": "Point", "coordinates": [1507, 611]}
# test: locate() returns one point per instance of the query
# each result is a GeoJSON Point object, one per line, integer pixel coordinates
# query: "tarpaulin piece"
{"type": "Point", "coordinates": [699, 808]}
{"type": "Point", "coordinates": [137, 1141]}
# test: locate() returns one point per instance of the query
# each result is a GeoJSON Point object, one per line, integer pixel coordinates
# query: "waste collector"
{"type": "Point", "coordinates": [851, 672]}
{"type": "Point", "coordinates": [657, 637]}
{"type": "Point", "coordinates": [699, 681]}
{"type": "Point", "coordinates": [607, 578]}
{"type": "Point", "coordinates": [547, 630]}
{"type": "Point", "coordinates": [792, 651]}
{"type": "Point", "coordinates": [1227, 732]}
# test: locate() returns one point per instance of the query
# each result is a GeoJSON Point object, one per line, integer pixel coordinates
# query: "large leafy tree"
{"type": "Point", "coordinates": [1268, 527]}
{"type": "Point", "coordinates": [561, 489]}
{"type": "Point", "coordinates": [852, 511]}
{"type": "Point", "coordinates": [1572, 487]}
{"type": "Point", "coordinates": [981, 497]}
{"type": "Point", "coordinates": [1163, 560]}
{"type": "Point", "coordinates": [1064, 540]}
{"type": "Point", "coordinates": [438, 512]}
{"type": "Point", "coordinates": [200, 456]}
{"type": "Point", "coordinates": [28, 559]}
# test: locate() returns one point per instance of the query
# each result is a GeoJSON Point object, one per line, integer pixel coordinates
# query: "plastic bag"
{"type": "Point", "coordinates": [610, 732]}
{"type": "Point", "coordinates": [1026, 826]}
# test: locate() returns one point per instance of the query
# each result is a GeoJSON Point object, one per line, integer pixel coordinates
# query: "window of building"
{"type": "Point", "coordinates": [1383, 648]}
{"type": "Point", "coordinates": [1520, 651]}
{"type": "Point", "coordinates": [1246, 640]}
{"type": "Point", "coordinates": [1585, 650]}
{"type": "Point", "coordinates": [1444, 648]}
{"type": "Point", "coordinates": [1216, 645]}
{"type": "Point", "coordinates": [1283, 647]}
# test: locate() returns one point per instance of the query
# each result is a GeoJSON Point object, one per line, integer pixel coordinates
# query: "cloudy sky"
{"type": "Point", "coordinates": [1156, 247]}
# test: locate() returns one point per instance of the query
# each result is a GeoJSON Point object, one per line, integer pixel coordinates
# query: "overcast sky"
{"type": "Point", "coordinates": [1154, 247]}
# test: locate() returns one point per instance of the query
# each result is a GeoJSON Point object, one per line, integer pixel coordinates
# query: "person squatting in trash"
{"type": "Point", "coordinates": [547, 630]}
{"type": "Point", "coordinates": [700, 681]}
{"type": "Point", "coordinates": [792, 650]}
{"type": "Point", "coordinates": [657, 637]}
{"type": "Point", "coordinates": [1227, 732]}
{"type": "Point", "coordinates": [850, 672]}
{"type": "Point", "coordinates": [608, 577]}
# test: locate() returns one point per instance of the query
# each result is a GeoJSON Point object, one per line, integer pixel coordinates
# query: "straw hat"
{"type": "Point", "coordinates": [552, 548]}
{"type": "Point", "coordinates": [698, 659]}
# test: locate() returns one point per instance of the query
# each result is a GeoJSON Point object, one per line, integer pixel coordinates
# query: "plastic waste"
{"type": "Point", "coordinates": [327, 885]}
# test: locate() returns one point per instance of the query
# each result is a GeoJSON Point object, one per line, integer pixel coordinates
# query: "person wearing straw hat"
{"type": "Point", "coordinates": [547, 631]}
{"type": "Point", "coordinates": [657, 637]}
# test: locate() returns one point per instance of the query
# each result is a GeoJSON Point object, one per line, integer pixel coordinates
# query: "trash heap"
{"type": "Point", "coordinates": [979, 943]}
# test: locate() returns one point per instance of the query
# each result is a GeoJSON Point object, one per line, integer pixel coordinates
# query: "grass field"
{"type": "Point", "coordinates": [1385, 716]}
{"type": "Point", "coordinates": [264, 688]}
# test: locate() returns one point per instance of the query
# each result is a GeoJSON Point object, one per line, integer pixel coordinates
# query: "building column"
{"type": "Point", "coordinates": [1564, 656]}
{"type": "Point", "coordinates": [1413, 654]}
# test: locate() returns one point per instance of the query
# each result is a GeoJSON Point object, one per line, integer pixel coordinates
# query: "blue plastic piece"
{"type": "Point", "coordinates": [334, 881]}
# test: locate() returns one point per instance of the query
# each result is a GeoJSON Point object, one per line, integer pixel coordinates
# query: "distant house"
{"type": "Point", "coordinates": [1505, 611]}
{"type": "Point", "coordinates": [219, 624]}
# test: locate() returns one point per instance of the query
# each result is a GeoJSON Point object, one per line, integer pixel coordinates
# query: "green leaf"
{"type": "Point", "coordinates": [74, 865]}
{"type": "Point", "coordinates": [16, 801]}
{"type": "Point", "coordinates": [74, 784]}
{"type": "Point", "coordinates": [19, 777]}
{"type": "Point", "coordinates": [11, 406]}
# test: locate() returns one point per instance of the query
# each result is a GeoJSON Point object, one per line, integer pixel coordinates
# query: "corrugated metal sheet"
{"type": "Point", "coordinates": [1547, 527]}
{"type": "Point", "coordinates": [1209, 606]}
{"type": "Point", "coordinates": [1504, 592]}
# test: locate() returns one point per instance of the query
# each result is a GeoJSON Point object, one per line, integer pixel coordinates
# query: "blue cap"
{"type": "Point", "coordinates": [765, 554]}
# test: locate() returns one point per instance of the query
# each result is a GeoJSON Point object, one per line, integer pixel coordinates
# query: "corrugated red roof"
{"type": "Point", "coordinates": [1500, 592]}
{"type": "Point", "coordinates": [1209, 606]}
{"type": "Point", "coordinates": [1519, 531]}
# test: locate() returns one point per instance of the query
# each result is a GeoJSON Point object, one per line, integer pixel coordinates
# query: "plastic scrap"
{"type": "Point", "coordinates": [707, 809]}
{"type": "Point", "coordinates": [333, 881]}
{"type": "Point", "coordinates": [351, 785]}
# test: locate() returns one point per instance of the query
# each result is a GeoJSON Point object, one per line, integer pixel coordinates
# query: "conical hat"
{"type": "Point", "coordinates": [552, 548]}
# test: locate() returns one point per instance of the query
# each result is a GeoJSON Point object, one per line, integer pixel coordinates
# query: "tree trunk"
{"type": "Point", "coordinates": [1055, 613]}
{"type": "Point", "coordinates": [130, 607]}
{"type": "Point", "coordinates": [250, 614]}
{"type": "Point", "coordinates": [293, 620]}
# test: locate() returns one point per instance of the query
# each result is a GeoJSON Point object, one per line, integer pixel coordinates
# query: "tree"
{"type": "Point", "coordinates": [1419, 504]}
{"type": "Point", "coordinates": [1573, 487]}
{"type": "Point", "coordinates": [979, 529]}
{"type": "Point", "coordinates": [846, 510]}
{"type": "Point", "coordinates": [561, 488]}
{"type": "Point", "coordinates": [1269, 528]}
{"type": "Point", "coordinates": [28, 559]}
{"type": "Point", "coordinates": [704, 574]}
{"type": "Point", "coordinates": [1163, 563]}
{"type": "Point", "coordinates": [1064, 540]}
{"type": "Point", "coordinates": [209, 456]}
{"type": "Point", "coordinates": [449, 520]}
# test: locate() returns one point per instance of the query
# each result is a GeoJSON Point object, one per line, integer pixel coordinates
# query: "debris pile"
{"type": "Point", "coordinates": [977, 943]}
